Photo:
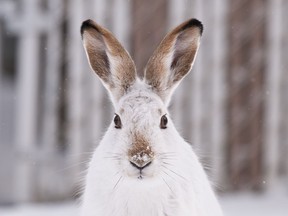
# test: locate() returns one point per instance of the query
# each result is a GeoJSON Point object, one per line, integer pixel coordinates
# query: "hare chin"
{"type": "Point", "coordinates": [142, 177]}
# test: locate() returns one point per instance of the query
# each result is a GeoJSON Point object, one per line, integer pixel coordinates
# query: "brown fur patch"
{"type": "Point", "coordinates": [140, 148]}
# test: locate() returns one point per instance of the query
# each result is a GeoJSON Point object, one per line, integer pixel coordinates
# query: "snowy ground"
{"type": "Point", "coordinates": [255, 204]}
{"type": "Point", "coordinates": [63, 209]}
{"type": "Point", "coordinates": [233, 205]}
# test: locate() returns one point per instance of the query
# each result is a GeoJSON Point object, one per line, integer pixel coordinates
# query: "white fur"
{"type": "Point", "coordinates": [174, 184]}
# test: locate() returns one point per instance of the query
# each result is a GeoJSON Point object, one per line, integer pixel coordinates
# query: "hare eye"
{"type": "Point", "coordinates": [117, 121]}
{"type": "Point", "coordinates": [163, 122]}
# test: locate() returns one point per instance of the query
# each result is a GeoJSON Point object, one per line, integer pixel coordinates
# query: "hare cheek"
{"type": "Point", "coordinates": [130, 170]}
{"type": "Point", "coordinates": [149, 172]}
{"type": "Point", "coordinates": [154, 170]}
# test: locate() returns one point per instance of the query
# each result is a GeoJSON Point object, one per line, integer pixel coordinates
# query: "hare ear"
{"type": "Point", "coordinates": [173, 58]}
{"type": "Point", "coordinates": [110, 61]}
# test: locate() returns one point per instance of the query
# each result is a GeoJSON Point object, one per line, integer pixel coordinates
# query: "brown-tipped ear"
{"type": "Point", "coordinates": [173, 58]}
{"type": "Point", "coordinates": [108, 59]}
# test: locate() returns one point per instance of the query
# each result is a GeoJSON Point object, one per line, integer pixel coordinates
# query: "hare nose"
{"type": "Point", "coordinates": [140, 167]}
{"type": "Point", "coordinates": [141, 161]}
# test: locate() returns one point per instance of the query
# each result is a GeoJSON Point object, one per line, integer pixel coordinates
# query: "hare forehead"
{"type": "Point", "coordinates": [141, 103]}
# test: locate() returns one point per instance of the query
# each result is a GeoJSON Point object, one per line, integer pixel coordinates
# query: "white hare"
{"type": "Point", "coordinates": [143, 167]}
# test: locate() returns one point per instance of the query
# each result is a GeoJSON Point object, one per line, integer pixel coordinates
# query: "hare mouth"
{"type": "Point", "coordinates": [141, 175]}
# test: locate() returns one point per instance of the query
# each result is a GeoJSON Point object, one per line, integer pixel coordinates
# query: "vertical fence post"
{"type": "Point", "coordinates": [245, 77]}
{"type": "Point", "coordinates": [122, 22]}
{"type": "Point", "coordinates": [148, 28]}
{"type": "Point", "coordinates": [1, 53]}
{"type": "Point", "coordinates": [74, 90]}
{"type": "Point", "coordinates": [284, 93]}
{"type": "Point", "coordinates": [6, 146]}
{"type": "Point", "coordinates": [27, 84]}
{"type": "Point", "coordinates": [219, 37]}
{"type": "Point", "coordinates": [273, 84]}
{"type": "Point", "coordinates": [52, 182]}
{"type": "Point", "coordinates": [52, 77]}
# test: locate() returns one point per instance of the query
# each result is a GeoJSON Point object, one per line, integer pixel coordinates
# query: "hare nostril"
{"type": "Point", "coordinates": [140, 167]}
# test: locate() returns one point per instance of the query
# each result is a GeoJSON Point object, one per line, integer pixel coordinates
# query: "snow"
{"type": "Point", "coordinates": [239, 204]}
{"type": "Point", "coordinates": [250, 204]}
{"type": "Point", "coordinates": [59, 209]}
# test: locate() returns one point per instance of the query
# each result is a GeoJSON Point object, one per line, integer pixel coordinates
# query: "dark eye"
{"type": "Point", "coordinates": [163, 122]}
{"type": "Point", "coordinates": [117, 121]}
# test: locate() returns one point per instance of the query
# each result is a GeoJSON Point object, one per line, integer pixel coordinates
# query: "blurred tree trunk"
{"type": "Point", "coordinates": [149, 25]}
{"type": "Point", "coordinates": [246, 73]}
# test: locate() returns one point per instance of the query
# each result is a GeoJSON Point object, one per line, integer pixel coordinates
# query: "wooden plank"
{"type": "Point", "coordinates": [26, 113]}
{"type": "Point", "coordinates": [122, 22]}
{"type": "Point", "coordinates": [219, 88]}
{"type": "Point", "coordinates": [52, 78]}
{"type": "Point", "coordinates": [272, 126]}
{"type": "Point", "coordinates": [1, 51]}
{"type": "Point", "coordinates": [74, 88]}
{"type": "Point", "coordinates": [7, 115]}
{"type": "Point", "coordinates": [245, 76]}
{"type": "Point", "coordinates": [284, 91]}
{"type": "Point", "coordinates": [51, 182]}
{"type": "Point", "coordinates": [7, 157]}
{"type": "Point", "coordinates": [149, 25]}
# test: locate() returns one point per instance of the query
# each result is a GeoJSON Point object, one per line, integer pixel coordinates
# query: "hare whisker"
{"type": "Point", "coordinates": [116, 173]}
{"type": "Point", "coordinates": [167, 153]}
{"type": "Point", "coordinates": [169, 175]}
{"type": "Point", "coordinates": [113, 157]}
{"type": "Point", "coordinates": [113, 153]}
{"type": "Point", "coordinates": [117, 182]}
{"type": "Point", "coordinates": [72, 166]}
{"type": "Point", "coordinates": [164, 162]}
{"type": "Point", "coordinates": [167, 158]}
{"type": "Point", "coordinates": [175, 173]}
{"type": "Point", "coordinates": [80, 154]}
{"type": "Point", "coordinates": [167, 185]}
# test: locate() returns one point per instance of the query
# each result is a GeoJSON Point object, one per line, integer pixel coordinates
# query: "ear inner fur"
{"type": "Point", "coordinates": [108, 58]}
{"type": "Point", "coordinates": [174, 57]}
{"type": "Point", "coordinates": [179, 65]}
{"type": "Point", "coordinates": [97, 57]}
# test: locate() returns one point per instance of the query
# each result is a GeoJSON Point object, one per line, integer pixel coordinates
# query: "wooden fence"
{"type": "Point", "coordinates": [53, 109]}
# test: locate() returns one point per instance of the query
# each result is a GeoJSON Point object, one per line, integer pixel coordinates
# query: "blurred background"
{"type": "Point", "coordinates": [232, 107]}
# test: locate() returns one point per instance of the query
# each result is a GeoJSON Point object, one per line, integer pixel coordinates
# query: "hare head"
{"type": "Point", "coordinates": [135, 151]}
